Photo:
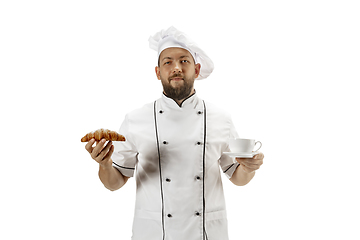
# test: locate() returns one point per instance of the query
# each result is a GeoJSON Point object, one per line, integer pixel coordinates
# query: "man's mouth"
{"type": "Point", "coordinates": [176, 79]}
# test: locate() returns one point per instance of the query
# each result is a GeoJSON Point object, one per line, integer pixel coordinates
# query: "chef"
{"type": "Point", "coordinates": [174, 148]}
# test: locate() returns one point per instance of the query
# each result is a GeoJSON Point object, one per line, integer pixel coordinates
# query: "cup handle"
{"type": "Point", "coordinates": [259, 147]}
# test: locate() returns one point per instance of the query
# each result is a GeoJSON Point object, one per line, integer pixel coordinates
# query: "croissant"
{"type": "Point", "coordinates": [103, 133]}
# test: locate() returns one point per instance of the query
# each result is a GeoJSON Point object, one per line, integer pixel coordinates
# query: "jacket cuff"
{"type": "Point", "coordinates": [126, 171]}
{"type": "Point", "coordinates": [231, 169]}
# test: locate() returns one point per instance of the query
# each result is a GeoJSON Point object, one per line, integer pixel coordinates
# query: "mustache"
{"type": "Point", "coordinates": [176, 75]}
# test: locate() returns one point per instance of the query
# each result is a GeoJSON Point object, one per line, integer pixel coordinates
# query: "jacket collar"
{"type": "Point", "coordinates": [189, 103]}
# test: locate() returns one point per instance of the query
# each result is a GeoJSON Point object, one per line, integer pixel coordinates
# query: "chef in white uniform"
{"type": "Point", "coordinates": [174, 149]}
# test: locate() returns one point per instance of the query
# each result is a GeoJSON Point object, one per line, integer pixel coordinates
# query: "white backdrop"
{"type": "Point", "coordinates": [287, 71]}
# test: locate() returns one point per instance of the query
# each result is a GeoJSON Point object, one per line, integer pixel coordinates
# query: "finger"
{"type": "Point", "coordinates": [109, 154]}
{"type": "Point", "coordinates": [88, 146]}
{"type": "Point", "coordinates": [240, 160]}
{"type": "Point", "coordinates": [246, 169]}
{"type": "Point", "coordinates": [251, 162]}
{"type": "Point", "coordinates": [246, 161]}
{"type": "Point", "coordinates": [104, 152]}
{"type": "Point", "coordinates": [250, 165]}
{"type": "Point", "coordinates": [249, 169]}
{"type": "Point", "coordinates": [259, 156]}
{"type": "Point", "coordinates": [254, 161]}
{"type": "Point", "coordinates": [97, 149]}
{"type": "Point", "coordinates": [258, 159]}
{"type": "Point", "coordinates": [107, 159]}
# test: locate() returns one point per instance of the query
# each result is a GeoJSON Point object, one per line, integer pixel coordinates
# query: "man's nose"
{"type": "Point", "coordinates": [177, 68]}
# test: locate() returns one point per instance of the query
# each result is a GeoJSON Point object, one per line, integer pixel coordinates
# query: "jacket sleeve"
{"type": "Point", "coordinates": [229, 164]}
{"type": "Point", "coordinates": [125, 154]}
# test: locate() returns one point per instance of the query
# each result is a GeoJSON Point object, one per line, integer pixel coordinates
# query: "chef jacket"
{"type": "Point", "coordinates": [176, 155]}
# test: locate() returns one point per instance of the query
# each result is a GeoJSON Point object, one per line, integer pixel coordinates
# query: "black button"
{"type": "Point", "coordinates": [198, 143]}
{"type": "Point", "coordinates": [197, 214]}
{"type": "Point", "coordinates": [165, 142]}
{"type": "Point", "coordinates": [169, 215]}
{"type": "Point", "coordinates": [161, 111]}
{"type": "Point", "coordinates": [168, 180]}
{"type": "Point", "coordinates": [198, 178]}
{"type": "Point", "coordinates": [199, 112]}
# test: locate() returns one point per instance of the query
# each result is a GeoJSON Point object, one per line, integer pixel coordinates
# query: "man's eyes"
{"type": "Point", "coordinates": [169, 62]}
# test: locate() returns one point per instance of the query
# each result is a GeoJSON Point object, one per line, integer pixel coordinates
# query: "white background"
{"type": "Point", "coordinates": [287, 71]}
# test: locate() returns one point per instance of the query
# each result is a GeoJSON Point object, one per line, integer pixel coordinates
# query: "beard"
{"type": "Point", "coordinates": [179, 92]}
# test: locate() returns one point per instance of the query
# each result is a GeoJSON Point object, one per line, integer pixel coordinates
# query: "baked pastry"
{"type": "Point", "coordinates": [103, 133]}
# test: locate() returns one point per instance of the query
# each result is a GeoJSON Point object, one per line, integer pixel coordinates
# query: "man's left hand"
{"type": "Point", "coordinates": [250, 165]}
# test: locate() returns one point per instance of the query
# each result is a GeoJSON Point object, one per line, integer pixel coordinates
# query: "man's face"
{"type": "Point", "coordinates": [177, 72]}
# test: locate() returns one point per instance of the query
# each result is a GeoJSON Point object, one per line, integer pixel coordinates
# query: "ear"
{"type": "Point", "coordinates": [197, 69]}
{"type": "Point", "coordinates": [157, 71]}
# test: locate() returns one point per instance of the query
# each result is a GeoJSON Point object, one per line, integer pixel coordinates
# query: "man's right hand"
{"type": "Point", "coordinates": [101, 153]}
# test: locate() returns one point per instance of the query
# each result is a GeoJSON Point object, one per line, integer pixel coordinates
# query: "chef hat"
{"type": "Point", "coordinates": [174, 38]}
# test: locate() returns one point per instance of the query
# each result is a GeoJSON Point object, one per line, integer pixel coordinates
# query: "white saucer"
{"type": "Point", "coordinates": [241, 155]}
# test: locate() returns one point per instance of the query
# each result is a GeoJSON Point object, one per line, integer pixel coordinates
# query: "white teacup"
{"type": "Point", "coordinates": [241, 145]}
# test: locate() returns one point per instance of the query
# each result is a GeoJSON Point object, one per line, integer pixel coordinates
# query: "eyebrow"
{"type": "Point", "coordinates": [184, 56]}
{"type": "Point", "coordinates": [166, 58]}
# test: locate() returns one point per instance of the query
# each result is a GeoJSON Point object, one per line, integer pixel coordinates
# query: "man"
{"type": "Point", "coordinates": [175, 148]}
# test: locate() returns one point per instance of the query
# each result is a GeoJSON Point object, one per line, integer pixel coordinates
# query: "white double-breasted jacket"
{"type": "Point", "coordinates": [176, 155]}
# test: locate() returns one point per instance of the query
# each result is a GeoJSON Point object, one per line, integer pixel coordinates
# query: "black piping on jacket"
{"type": "Point", "coordinates": [160, 173]}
